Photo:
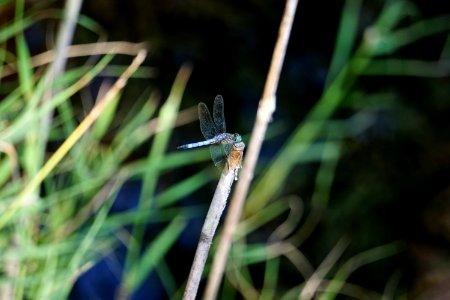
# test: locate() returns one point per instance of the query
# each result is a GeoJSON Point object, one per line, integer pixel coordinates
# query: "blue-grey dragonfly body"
{"type": "Point", "coordinates": [220, 141]}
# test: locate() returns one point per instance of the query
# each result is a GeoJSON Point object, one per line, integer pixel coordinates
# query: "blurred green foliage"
{"type": "Point", "coordinates": [354, 179]}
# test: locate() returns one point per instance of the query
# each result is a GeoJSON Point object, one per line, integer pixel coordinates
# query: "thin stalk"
{"type": "Point", "coordinates": [64, 39]}
{"type": "Point", "coordinates": [89, 49]}
{"type": "Point", "coordinates": [215, 211]}
{"type": "Point", "coordinates": [267, 106]}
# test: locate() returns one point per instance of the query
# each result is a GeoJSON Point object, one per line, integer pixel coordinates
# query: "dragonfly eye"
{"type": "Point", "coordinates": [237, 138]}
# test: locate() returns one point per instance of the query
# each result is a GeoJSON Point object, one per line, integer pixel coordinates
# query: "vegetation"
{"type": "Point", "coordinates": [69, 146]}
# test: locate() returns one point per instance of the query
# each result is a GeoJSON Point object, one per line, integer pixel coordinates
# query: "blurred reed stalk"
{"type": "Point", "coordinates": [266, 109]}
{"type": "Point", "coordinates": [65, 36]}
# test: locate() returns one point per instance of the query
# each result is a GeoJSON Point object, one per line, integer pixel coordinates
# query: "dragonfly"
{"type": "Point", "coordinates": [214, 130]}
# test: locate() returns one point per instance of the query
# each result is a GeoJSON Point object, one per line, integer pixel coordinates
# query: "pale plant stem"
{"type": "Point", "coordinates": [57, 66]}
{"type": "Point", "coordinates": [313, 283]}
{"type": "Point", "coordinates": [209, 227]}
{"type": "Point", "coordinates": [89, 49]}
{"type": "Point", "coordinates": [65, 35]}
{"type": "Point", "coordinates": [215, 211]}
{"type": "Point", "coordinates": [266, 108]}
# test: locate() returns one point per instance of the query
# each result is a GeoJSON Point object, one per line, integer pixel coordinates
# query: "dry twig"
{"type": "Point", "coordinates": [266, 108]}
{"type": "Point", "coordinates": [216, 208]}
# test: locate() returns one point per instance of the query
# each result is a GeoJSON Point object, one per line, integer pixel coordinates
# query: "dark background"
{"type": "Point", "coordinates": [392, 183]}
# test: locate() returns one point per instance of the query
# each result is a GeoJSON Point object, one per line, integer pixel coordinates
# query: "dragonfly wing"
{"type": "Point", "coordinates": [218, 114]}
{"type": "Point", "coordinates": [227, 147]}
{"type": "Point", "coordinates": [206, 124]}
{"type": "Point", "coordinates": [217, 154]}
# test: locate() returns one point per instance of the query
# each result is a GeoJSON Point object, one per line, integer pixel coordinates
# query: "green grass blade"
{"type": "Point", "coordinates": [348, 28]}
{"type": "Point", "coordinates": [104, 121]}
{"type": "Point", "coordinates": [23, 56]}
{"type": "Point", "coordinates": [16, 131]}
{"type": "Point", "coordinates": [167, 117]}
{"type": "Point", "coordinates": [154, 253]}
{"type": "Point", "coordinates": [183, 188]}
{"type": "Point", "coordinates": [356, 262]}
{"type": "Point", "coordinates": [271, 275]}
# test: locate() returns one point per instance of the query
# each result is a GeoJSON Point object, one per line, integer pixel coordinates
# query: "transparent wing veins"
{"type": "Point", "coordinates": [207, 126]}
{"type": "Point", "coordinates": [218, 114]}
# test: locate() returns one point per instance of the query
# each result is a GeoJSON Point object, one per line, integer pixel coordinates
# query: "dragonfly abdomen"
{"type": "Point", "coordinates": [198, 144]}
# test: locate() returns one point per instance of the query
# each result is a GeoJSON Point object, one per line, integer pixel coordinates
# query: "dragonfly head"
{"type": "Point", "coordinates": [237, 138]}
